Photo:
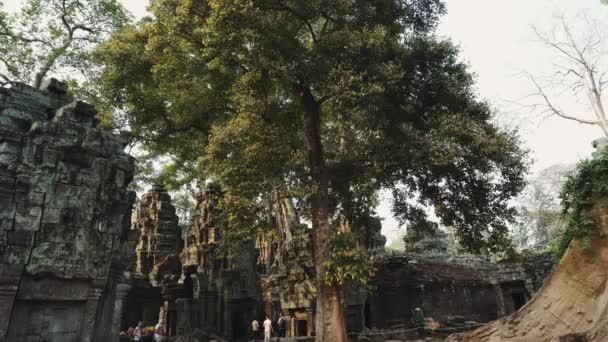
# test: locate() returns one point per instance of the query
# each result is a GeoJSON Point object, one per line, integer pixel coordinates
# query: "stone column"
{"type": "Point", "coordinates": [530, 289]}
{"type": "Point", "coordinates": [227, 318]}
{"type": "Point", "coordinates": [90, 312]}
{"type": "Point", "coordinates": [310, 327]}
{"type": "Point", "coordinates": [184, 317]}
{"type": "Point", "coordinates": [289, 324]}
{"type": "Point", "coordinates": [203, 304]}
{"type": "Point", "coordinates": [121, 295]}
{"type": "Point", "coordinates": [196, 286]}
{"type": "Point", "coordinates": [212, 304]}
{"type": "Point", "coordinates": [171, 320]}
{"type": "Point", "coordinates": [500, 299]}
{"type": "Point", "coordinates": [219, 312]}
{"type": "Point", "coordinates": [195, 303]}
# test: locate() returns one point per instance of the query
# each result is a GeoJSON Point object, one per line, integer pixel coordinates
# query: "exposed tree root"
{"type": "Point", "coordinates": [574, 300]}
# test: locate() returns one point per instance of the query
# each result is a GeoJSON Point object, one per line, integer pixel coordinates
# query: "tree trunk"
{"type": "Point", "coordinates": [285, 215]}
{"type": "Point", "coordinates": [329, 319]}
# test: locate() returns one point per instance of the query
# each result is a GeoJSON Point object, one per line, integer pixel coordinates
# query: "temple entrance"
{"type": "Point", "coordinates": [143, 304]}
{"type": "Point", "coordinates": [519, 300]}
{"type": "Point", "coordinates": [301, 327]}
{"type": "Point", "coordinates": [367, 314]}
{"type": "Point", "coordinates": [515, 295]}
{"type": "Point", "coordinates": [238, 326]}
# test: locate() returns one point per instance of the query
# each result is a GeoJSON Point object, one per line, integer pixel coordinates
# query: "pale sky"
{"type": "Point", "coordinates": [498, 42]}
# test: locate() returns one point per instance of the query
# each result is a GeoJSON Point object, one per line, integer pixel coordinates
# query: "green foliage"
{"type": "Point", "coordinates": [239, 219]}
{"type": "Point", "coordinates": [218, 86]}
{"type": "Point", "coordinates": [54, 36]}
{"type": "Point", "coordinates": [585, 189]}
{"type": "Point", "coordinates": [348, 263]}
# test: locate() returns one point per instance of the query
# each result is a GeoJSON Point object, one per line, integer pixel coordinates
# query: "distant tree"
{"type": "Point", "coordinates": [48, 36]}
{"type": "Point", "coordinates": [539, 209]}
{"type": "Point", "coordinates": [327, 102]}
{"type": "Point", "coordinates": [396, 243]}
{"type": "Point", "coordinates": [581, 67]}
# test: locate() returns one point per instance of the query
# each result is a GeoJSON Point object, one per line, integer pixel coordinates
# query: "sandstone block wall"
{"type": "Point", "coordinates": [159, 233]}
{"type": "Point", "coordinates": [64, 213]}
{"type": "Point", "coordinates": [223, 292]}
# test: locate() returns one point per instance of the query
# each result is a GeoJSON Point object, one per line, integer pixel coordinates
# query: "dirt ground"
{"type": "Point", "coordinates": [573, 300]}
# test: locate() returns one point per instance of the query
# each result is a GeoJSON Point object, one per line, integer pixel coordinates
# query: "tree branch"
{"type": "Point", "coordinates": [46, 67]}
{"type": "Point", "coordinates": [553, 110]}
{"type": "Point", "coordinates": [304, 20]}
{"type": "Point", "coordinates": [64, 19]}
{"type": "Point", "coordinates": [324, 98]}
{"type": "Point", "coordinates": [556, 46]}
{"type": "Point", "coordinates": [583, 70]}
{"type": "Point", "coordinates": [5, 78]}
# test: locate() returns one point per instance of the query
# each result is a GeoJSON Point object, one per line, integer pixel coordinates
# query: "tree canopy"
{"type": "Point", "coordinates": [326, 102]}
{"type": "Point", "coordinates": [215, 84]}
{"type": "Point", "coordinates": [55, 35]}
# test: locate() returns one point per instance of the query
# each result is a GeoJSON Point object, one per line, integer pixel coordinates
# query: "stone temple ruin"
{"type": "Point", "coordinates": [80, 262]}
{"type": "Point", "coordinates": [437, 275]}
{"type": "Point", "coordinates": [64, 218]}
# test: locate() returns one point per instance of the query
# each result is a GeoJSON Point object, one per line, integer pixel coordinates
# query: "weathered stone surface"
{"type": "Point", "coordinates": [155, 243]}
{"type": "Point", "coordinates": [160, 242]}
{"type": "Point", "coordinates": [446, 281]}
{"type": "Point", "coordinates": [216, 294]}
{"type": "Point", "coordinates": [436, 275]}
{"type": "Point", "coordinates": [64, 211]}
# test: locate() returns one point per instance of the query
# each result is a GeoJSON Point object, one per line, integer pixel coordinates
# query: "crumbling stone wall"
{"type": "Point", "coordinates": [154, 260]}
{"type": "Point", "coordinates": [439, 289]}
{"type": "Point", "coordinates": [221, 294]}
{"type": "Point", "coordinates": [159, 235]}
{"type": "Point", "coordinates": [538, 267]}
{"type": "Point", "coordinates": [203, 232]}
{"type": "Point", "coordinates": [439, 276]}
{"type": "Point", "coordinates": [295, 278]}
{"type": "Point", "coordinates": [64, 213]}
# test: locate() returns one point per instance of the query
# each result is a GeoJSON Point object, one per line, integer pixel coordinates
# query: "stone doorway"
{"type": "Point", "coordinates": [519, 300]}
{"type": "Point", "coordinates": [240, 329]}
{"type": "Point", "coordinates": [301, 327]}
{"type": "Point", "coordinates": [143, 304]}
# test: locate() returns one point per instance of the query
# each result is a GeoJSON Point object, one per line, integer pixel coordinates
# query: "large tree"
{"type": "Point", "coordinates": [55, 36]}
{"type": "Point", "coordinates": [326, 102]}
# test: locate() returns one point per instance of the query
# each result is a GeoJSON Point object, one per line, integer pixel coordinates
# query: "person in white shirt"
{"type": "Point", "coordinates": [159, 331]}
{"type": "Point", "coordinates": [267, 329]}
{"type": "Point", "coordinates": [137, 334]}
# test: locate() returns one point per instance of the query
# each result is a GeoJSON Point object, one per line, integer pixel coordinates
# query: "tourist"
{"type": "Point", "coordinates": [281, 323]}
{"type": "Point", "coordinates": [255, 329]}
{"type": "Point", "coordinates": [159, 331]}
{"type": "Point", "coordinates": [420, 322]}
{"type": "Point", "coordinates": [267, 329]}
{"type": "Point", "coordinates": [137, 333]}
